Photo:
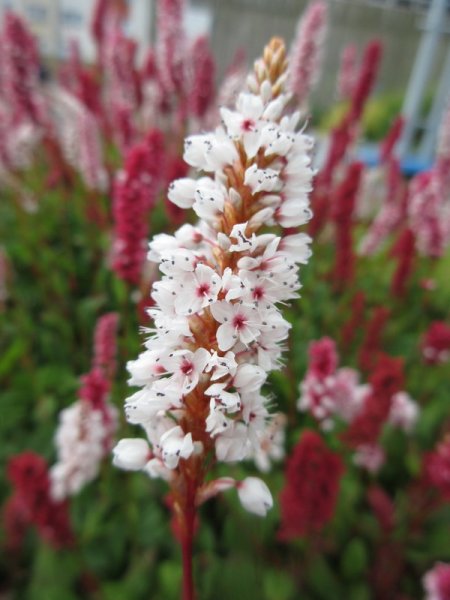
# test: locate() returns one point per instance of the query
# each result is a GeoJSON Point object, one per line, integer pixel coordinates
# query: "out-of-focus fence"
{"type": "Point", "coordinates": [249, 23]}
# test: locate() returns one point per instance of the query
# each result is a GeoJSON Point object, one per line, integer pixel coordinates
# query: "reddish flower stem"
{"type": "Point", "coordinates": [187, 540]}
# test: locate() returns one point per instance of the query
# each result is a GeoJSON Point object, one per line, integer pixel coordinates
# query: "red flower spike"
{"type": "Point", "coordinates": [202, 86]}
{"type": "Point", "coordinates": [386, 380]}
{"type": "Point", "coordinates": [436, 343]}
{"type": "Point", "coordinates": [134, 195]}
{"type": "Point", "coordinates": [28, 473]}
{"type": "Point", "coordinates": [308, 499]}
{"type": "Point", "coordinates": [371, 346]}
{"type": "Point", "coordinates": [404, 251]}
{"type": "Point", "coordinates": [342, 214]}
{"type": "Point", "coordinates": [382, 506]}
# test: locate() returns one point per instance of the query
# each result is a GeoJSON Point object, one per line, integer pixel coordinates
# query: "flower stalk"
{"type": "Point", "coordinates": [217, 330]}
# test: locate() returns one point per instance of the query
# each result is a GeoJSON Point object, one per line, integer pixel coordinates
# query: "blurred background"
{"type": "Point", "coordinates": [414, 77]}
{"type": "Point", "coordinates": [62, 184]}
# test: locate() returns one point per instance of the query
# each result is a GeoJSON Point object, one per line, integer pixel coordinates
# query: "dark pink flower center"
{"type": "Point", "coordinates": [203, 289]}
{"type": "Point", "coordinates": [248, 125]}
{"type": "Point", "coordinates": [187, 367]}
{"type": "Point", "coordinates": [239, 321]}
{"type": "Point", "coordinates": [258, 293]}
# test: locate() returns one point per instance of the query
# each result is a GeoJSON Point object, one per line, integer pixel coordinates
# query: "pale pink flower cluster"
{"type": "Point", "coordinates": [307, 50]}
{"type": "Point", "coordinates": [429, 213]}
{"type": "Point", "coordinates": [82, 440]}
{"type": "Point", "coordinates": [171, 45]}
{"type": "Point", "coordinates": [86, 428]}
{"type": "Point", "coordinates": [385, 222]}
{"type": "Point", "coordinates": [429, 199]}
{"type": "Point", "coordinates": [436, 582]}
{"type": "Point", "coordinates": [329, 393]}
{"type": "Point", "coordinates": [22, 107]}
{"type": "Point", "coordinates": [218, 329]}
{"type": "Point", "coordinates": [347, 72]}
{"type": "Point", "coordinates": [79, 135]}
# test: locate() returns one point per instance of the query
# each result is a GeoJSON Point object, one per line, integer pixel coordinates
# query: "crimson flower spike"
{"type": "Point", "coordinates": [135, 192]}
{"type": "Point", "coordinates": [32, 504]}
{"type": "Point", "coordinates": [386, 380]}
{"type": "Point", "coordinates": [366, 79]}
{"type": "Point", "coordinates": [371, 346]}
{"type": "Point", "coordinates": [308, 499]}
{"type": "Point", "coordinates": [404, 251]}
{"type": "Point", "coordinates": [342, 215]}
{"type": "Point", "coordinates": [387, 146]}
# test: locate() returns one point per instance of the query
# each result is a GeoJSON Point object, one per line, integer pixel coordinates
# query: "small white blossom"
{"type": "Point", "coordinates": [131, 454]}
{"type": "Point", "coordinates": [255, 496]}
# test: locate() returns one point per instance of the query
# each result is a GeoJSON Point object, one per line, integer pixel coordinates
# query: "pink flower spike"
{"type": "Point", "coordinates": [436, 582]}
{"type": "Point", "coordinates": [170, 45]}
{"type": "Point", "coordinates": [135, 193]}
{"type": "Point", "coordinates": [20, 76]}
{"type": "Point", "coordinates": [105, 343]}
{"type": "Point", "coordinates": [387, 146]}
{"type": "Point", "coordinates": [306, 51]}
{"type": "Point", "coordinates": [202, 89]}
{"type": "Point", "coordinates": [366, 78]}
{"type": "Point", "coordinates": [347, 72]}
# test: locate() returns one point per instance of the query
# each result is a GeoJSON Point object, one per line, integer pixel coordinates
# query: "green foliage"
{"type": "Point", "coordinates": [59, 284]}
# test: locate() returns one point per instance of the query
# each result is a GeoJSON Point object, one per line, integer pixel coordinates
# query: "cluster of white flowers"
{"type": "Point", "coordinates": [82, 440]}
{"type": "Point", "coordinates": [218, 330]}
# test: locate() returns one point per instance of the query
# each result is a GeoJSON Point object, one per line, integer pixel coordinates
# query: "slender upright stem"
{"type": "Point", "coordinates": [188, 580]}
{"type": "Point", "coordinates": [187, 540]}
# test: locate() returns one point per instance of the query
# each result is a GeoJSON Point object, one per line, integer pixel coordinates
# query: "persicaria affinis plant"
{"type": "Point", "coordinates": [217, 327]}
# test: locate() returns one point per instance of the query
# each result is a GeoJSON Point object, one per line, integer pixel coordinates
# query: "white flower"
{"type": "Point", "coordinates": [221, 365]}
{"type": "Point", "coordinates": [186, 367]}
{"type": "Point", "coordinates": [232, 445]}
{"type": "Point", "coordinates": [249, 378]}
{"type": "Point", "coordinates": [239, 322]}
{"type": "Point", "coordinates": [209, 200]}
{"type": "Point", "coordinates": [181, 192]}
{"type": "Point", "coordinates": [175, 444]}
{"type": "Point", "coordinates": [245, 123]}
{"type": "Point", "coordinates": [210, 152]}
{"type": "Point", "coordinates": [131, 454]}
{"type": "Point", "coordinates": [230, 401]}
{"type": "Point", "coordinates": [255, 496]}
{"type": "Point", "coordinates": [199, 289]}
{"type": "Point", "coordinates": [404, 411]}
{"type": "Point", "coordinates": [297, 247]}
{"type": "Point", "coordinates": [262, 180]}
{"type": "Point", "coordinates": [216, 421]}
